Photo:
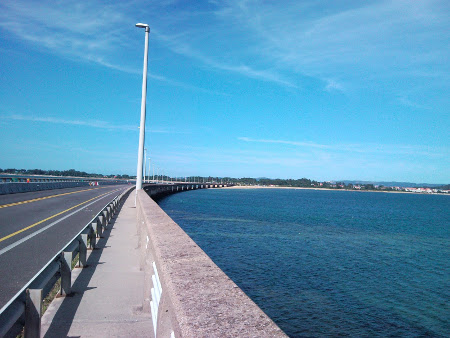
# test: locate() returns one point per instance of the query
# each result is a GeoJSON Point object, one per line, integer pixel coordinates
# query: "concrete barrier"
{"type": "Point", "coordinates": [186, 293]}
{"type": "Point", "coordinates": [17, 187]}
{"type": "Point", "coordinates": [12, 188]}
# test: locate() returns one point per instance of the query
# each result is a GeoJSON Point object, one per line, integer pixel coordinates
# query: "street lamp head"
{"type": "Point", "coordinates": [142, 25]}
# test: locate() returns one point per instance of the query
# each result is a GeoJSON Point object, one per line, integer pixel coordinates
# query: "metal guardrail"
{"type": "Point", "coordinates": [24, 310]}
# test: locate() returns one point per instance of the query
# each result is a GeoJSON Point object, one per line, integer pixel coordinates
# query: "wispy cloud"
{"type": "Point", "coordinates": [84, 31]}
{"type": "Point", "coordinates": [177, 44]}
{"type": "Point", "coordinates": [65, 26]}
{"type": "Point", "coordinates": [347, 45]}
{"type": "Point", "coordinates": [358, 41]}
{"type": "Point", "coordinates": [408, 103]}
{"type": "Point", "coordinates": [98, 124]}
{"type": "Point", "coordinates": [273, 163]}
{"type": "Point", "coordinates": [101, 61]}
{"type": "Point", "coordinates": [293, 143]}
{"type": "Point", "coordinates": [386, 149]}
{"type": "Point", "coordinates": [85, 123]}
{"type": "Point", "coordinates": [332, 85]}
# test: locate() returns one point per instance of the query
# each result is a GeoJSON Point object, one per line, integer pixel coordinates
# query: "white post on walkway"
{"type": "Point", "coordinates": [145, 163]}
{"type": "Point", "coordinates": [143, 104]}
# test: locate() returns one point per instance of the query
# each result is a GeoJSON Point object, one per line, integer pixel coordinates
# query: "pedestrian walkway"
{"type": "Point", "coordinates": [108, 293]}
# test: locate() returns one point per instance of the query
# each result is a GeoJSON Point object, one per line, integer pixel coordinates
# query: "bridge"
{"type": "Point", "coordinates": [136, 272]}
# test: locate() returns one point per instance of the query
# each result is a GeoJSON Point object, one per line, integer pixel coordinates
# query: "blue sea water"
{"type": "Point", "coordinates": [329, 263]}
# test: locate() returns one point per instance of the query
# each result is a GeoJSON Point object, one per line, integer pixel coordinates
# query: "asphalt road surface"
{"type": "Point", "coordinates": [35, 226]}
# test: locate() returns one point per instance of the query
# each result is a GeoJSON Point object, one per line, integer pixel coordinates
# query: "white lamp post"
{"type": "Point", "coordinates": [144, 95]}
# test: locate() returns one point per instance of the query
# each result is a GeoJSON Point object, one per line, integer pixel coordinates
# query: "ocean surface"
{"type": "Point", "coordinates": [329, 263]}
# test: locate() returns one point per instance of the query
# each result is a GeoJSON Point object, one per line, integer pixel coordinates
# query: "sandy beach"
{"type": "Point", "coordinates": [276, 187]}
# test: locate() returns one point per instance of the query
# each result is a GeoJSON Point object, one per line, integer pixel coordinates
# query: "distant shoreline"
{"type": "Point", "coordinates": [305, 188]}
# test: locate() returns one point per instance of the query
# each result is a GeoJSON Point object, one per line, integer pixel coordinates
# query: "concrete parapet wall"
{"type": "Point", "coordinates": [197, 299]}
{"type": "Point", "coordinates": [12, 188]}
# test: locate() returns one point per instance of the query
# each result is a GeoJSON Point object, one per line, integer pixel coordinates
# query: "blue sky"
{"type": "Point", "coordinates": [326, 90]}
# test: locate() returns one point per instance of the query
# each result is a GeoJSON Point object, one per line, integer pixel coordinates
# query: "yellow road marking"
{"type": "Point", "coordinates": [59, 213]}
{"type": "Point", "coordinates": [44, 198]}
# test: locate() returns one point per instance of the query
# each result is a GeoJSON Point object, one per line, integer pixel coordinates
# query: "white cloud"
{"type": "Point", "coordinates": [277, 42]}
{"type": "Point", "coordinates": [267, 162]}
{"type": "Point", "coordinates": [408, 103]}
{"type": "Point", "coordinates": [362, 148]}
{"type": "Point", "coordinates": [87, 31]}
{"type": "Point", "coordinates": [65, 26]}
{"type": "Point", "coordinates": [332, 85]}
{"type": "Point", "coordinates": [178, 45]}
{"type": "Point", "coordinates": [294, 143]}
{"type": "Point", "coordinates": [358, 42]}
{"type": "Point", "coordinates": [84, 123]}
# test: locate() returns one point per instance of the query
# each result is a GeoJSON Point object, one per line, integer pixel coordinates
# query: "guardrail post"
{"type": "Point", "coordinates": [111, 210]}
{"type": "Point", "coordinates": [101, 221]}
{"type": "Point", "coordinates": [108, 208]}
{"type": "Point", "coordinates": [82, 249]}
{"type": "Point", "coordinates": [105, 216]}
{"type": "Point", "coordinates": [92, 236]}
{"type": "Point", "coordinates": [66, 273]}
{"type": "Point", "coordinates": [97, 225]}
{"type": "Point", "coordinates": [33, 312]}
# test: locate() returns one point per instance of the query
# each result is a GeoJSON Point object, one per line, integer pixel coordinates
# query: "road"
{"type": "Point", "coordinates": [34, 226]}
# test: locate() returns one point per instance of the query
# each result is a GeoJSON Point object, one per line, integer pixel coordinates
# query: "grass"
{"type": "Point", "coordinates": [56, 288]}
{"type": "Point", "coordinates": [52, 294]}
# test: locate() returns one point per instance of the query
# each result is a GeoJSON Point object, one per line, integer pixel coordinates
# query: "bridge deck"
{"type": "Point", "coordinates": [142, 250]}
